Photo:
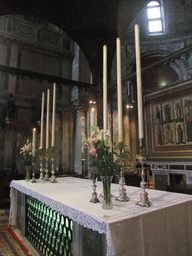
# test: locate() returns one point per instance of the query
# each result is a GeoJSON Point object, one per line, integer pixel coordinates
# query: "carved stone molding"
{"type": "Point", "coordinates": [17, 30]}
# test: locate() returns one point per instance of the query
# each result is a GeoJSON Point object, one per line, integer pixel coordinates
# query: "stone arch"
{"type": "Point", "coordinates": [164, 74]}
{"type": "Point", "coordinates": [180, 69]}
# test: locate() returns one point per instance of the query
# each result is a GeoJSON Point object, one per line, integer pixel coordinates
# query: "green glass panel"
{"type": "Point", "coordinates": [47, 229]}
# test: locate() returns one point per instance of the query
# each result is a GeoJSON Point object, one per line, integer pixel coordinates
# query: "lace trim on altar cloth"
{"type": "Point", "coordinates": [77, 216]}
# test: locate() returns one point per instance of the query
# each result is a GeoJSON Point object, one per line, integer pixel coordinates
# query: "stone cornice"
{"type": "Point", "coordinates": [40, 76]}
{"type": "Point", "coordinates": [157, 40]}
{"type": "Point", "coordinates": [36, 47]}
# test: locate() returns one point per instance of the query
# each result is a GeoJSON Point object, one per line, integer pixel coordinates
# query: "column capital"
{"type": "Point", "coordinates": [81, 105]}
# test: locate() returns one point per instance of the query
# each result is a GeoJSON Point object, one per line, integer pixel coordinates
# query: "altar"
{"type": "Point", "coordinates": [164, 229]}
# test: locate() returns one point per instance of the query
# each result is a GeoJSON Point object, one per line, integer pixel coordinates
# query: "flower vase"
{"type": "Point", "coordinates": [28, 169]}
{"type": "Point", "coordinates": [107, 202]}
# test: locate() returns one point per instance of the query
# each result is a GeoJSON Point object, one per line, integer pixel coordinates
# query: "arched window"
{"type": "Point", "coordinates": [155, 17]}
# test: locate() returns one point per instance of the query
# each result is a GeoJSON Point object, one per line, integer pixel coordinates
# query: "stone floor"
{"type": "Point", "coordinates": [4, 217]}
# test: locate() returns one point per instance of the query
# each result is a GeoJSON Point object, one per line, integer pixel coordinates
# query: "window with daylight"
{"type": "Point", "coordinates": [155, 17]}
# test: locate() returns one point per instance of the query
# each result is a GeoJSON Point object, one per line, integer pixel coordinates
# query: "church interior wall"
{"type": "Point", "coordinates": [26, 93]}
{"type": "Point", "coordinates": [3, 52]}
{"type": "Point", "coordinates": [44, 48]}
{"type": "Point", "coordinates": [65, 59]}
{"type": "Point", "coordinates": [177, 20]}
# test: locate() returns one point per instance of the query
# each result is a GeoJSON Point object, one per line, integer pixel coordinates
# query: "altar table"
{"type": "Point", "coordinates": [164, 229]}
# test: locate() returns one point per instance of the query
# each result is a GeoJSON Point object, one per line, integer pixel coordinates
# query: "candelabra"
{"type": "Point", "coordinates": [53, 180]}
{"type": "Point", "coordinates": [94, 198]}
{"type": "Point", "coordinates": [47, 166]}
{"type": "Point", "coordinates": [33, 172]}
{"type": "Point", "coordinates": [144, 201]}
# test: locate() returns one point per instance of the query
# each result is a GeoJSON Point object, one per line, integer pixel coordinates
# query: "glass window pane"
{"type": "Point", "coordinates": [154, 13]}
{"type": "Point", "coordinates": [155, 26]}
{"type": "Point", "coordinates": [153, 3]}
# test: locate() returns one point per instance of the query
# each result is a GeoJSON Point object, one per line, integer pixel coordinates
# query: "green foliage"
{"type": "Point", "coordinates": [26, 152]}
{"type": "Point", "coordinates": [121, 151]}
{"type": "Point", "coordinates": [102, 153]}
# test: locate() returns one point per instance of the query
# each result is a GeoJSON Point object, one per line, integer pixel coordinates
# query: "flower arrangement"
{"type": "Point", "coordinates": [26, 151]}
{"type": "Point", "coordinates": [106, 158]}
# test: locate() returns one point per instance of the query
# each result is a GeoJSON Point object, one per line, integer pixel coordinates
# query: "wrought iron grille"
{"type": "Point", "coordinates": [48, 230]}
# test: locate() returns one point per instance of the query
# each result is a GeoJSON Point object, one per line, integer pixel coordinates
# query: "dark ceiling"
{"type": "Point", "coordinates": [91, 23]}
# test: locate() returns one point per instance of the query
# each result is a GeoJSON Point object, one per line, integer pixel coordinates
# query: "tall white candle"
{"type": "Point", "coordinates": [128, 89]}
{"type": "Point", "coordinates": [119, 91]}
{"type": "Point", "coordinates": [53, 116]}
{"type": "Point", "coordinates": [83, 125]}
{"type": "Point", "coordinates": [47, 124]}
{"type": "Point", "coordinates": [139, 83]}
{"type": "Point", "coordinates": [105, 89]}
{"type": "Point", "coordinates": [34, 142]}
{"type": "Point", "coordinates": [92, 117]}
{"type": "Point", "coordinates": [42, 118]}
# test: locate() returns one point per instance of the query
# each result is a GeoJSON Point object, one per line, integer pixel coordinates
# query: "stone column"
{"type": "Point", "coordinates": [10, 132]}
{"type": "Point", "coordinates": [13, 63]}
{"type": "Point", "coordinates": [79, 149]}
{"type": "Point", "coordinates": [9, 150]}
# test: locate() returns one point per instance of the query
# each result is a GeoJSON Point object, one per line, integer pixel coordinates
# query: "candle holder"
{"type": "Point", "coordinates": [33, 172]}
{"type": "Point", "coordinates": [53, 180]}
{"type": "Point", "coordinates": [83, 160]}
{"type": "Point", "coordinates": [144, 201]}
{"type": "Point", "coordinates": [47, 167]}
{"type": "Point", "coordinates": [122, 191]}
{"type": "Point", "coordinates": [41, 157]}
{"type": "Point", "coordinates": [94, 198]}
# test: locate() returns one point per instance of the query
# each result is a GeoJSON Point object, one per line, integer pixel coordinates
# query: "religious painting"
{"type": "Point", "coordinates": [167, 109]}
{"type": "Point", "coordinates": [157, 115]}
{"type": "Point", "coordinates": [159, 135]}
{"type": "Point", "coordinates": [158, 124]}
{"type": "Point", "coordinates": [178, 110]}
{"type": "Point", "coordinates": [180, 134]}
{"type": "Point", "coordinates": [169, 122]}
{"type": "Point", "coordinates": [187, 104]}
{"type": "Point", "coordinates": [169, 134]}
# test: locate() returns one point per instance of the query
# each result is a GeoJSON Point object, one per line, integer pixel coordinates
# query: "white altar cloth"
{"type": "Point", "coordinates": [164, 229]}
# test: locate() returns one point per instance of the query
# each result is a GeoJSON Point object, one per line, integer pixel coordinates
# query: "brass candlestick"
{"type": "Point", "coordinates": [144, 201]}
{"type": "Point", "coordinates": [53, 180]}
